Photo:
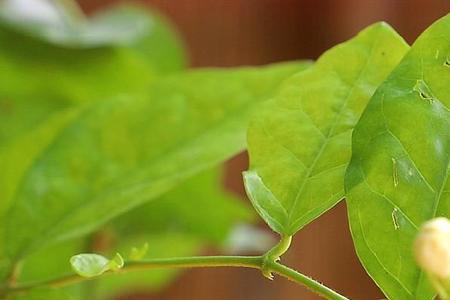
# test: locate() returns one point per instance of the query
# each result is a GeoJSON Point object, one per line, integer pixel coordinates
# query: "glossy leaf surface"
{"type": "Point", "coordinates": [398, 175]}
{"type": "Point", "coordinates": [300, 145]}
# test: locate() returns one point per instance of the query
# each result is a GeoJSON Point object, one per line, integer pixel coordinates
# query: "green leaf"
{"type": "Point", "coordinates": [89, 265]}
{"type": "Point", "coordinates": [121, 152]}
{"type": "Point", "coordinates": [398, 175]}
{"type": "Point", "coordinates": [50, 79]}
{"type": "Point", "coordinates": [45, 89]}
{"type": "Point", "coordinates": [40, 84]}
{"type": "Point", "coordinates": [300, 145]}
{"type": "Point", "coordinates": [49, 263]}
{"type": "Point", "coordinates": [35, 87]}
{"type": "Point", "coordinates": [178, 211]}
{"type": "Point", "coordinates": [93, 265]}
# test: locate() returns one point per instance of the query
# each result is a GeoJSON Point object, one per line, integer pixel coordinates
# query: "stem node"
{"type": "Point", "coordinates": [274, 255]}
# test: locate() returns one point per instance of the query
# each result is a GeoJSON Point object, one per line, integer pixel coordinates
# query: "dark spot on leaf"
{"type": "Point", "coordinates": [424, 91]}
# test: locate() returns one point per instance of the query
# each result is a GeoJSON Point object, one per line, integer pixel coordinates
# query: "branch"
{"type": "Point", "coordinates": [255, 262]}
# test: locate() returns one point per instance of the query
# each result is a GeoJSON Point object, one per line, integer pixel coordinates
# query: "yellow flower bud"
{"type": "Point", "coordinates": [432, 248]}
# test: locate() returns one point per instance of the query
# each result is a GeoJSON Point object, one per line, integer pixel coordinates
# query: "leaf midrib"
{"type": "Point", "coordinates": [332, 128]}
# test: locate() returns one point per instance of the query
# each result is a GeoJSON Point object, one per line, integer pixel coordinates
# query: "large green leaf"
{"type": "Point", "coordinates": [300, 145]}
{"type": "Point", "coordinates": [398, 175]}
{"type": "Point", "coordinates": [43, 90]}
{"type": "Point", "coordinates": [114, 155]}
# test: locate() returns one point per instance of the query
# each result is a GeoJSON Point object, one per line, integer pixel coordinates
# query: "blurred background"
{"type": "Point", "coordinates": [227, 33]}
{"type": "Point", "coordinates": [253, 32]}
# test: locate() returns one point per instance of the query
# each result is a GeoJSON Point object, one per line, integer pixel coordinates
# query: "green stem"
{"type": "Point", "coordinates": [308, 282]}
{"type": "Point", "coordinates": [255, 262]}
{"type": "Point", "coordinates": [280, 248]}
{"type": "Point", "coordinates": [274, 254]}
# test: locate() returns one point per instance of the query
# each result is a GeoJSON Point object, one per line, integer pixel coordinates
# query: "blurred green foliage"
{"type": "Point", "coordinates": [108, 144]}
{"type": "Point", "coordinates": [97, 117]}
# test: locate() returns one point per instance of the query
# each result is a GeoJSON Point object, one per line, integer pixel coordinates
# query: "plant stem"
{"type": "Point", "coordinates": [308, 282]}
{"type": "Point", "coordinates": [280, 248]}
{"type": "Point", "coordinates": [255, 262]}
{"type": "Point", "coordinates": [274, 254]}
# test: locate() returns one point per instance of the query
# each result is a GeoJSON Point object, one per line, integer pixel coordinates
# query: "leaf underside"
{"type": "Point", "coordinates": [300, 144]}
{"type": "Point", "coordinates": [398, 175]}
